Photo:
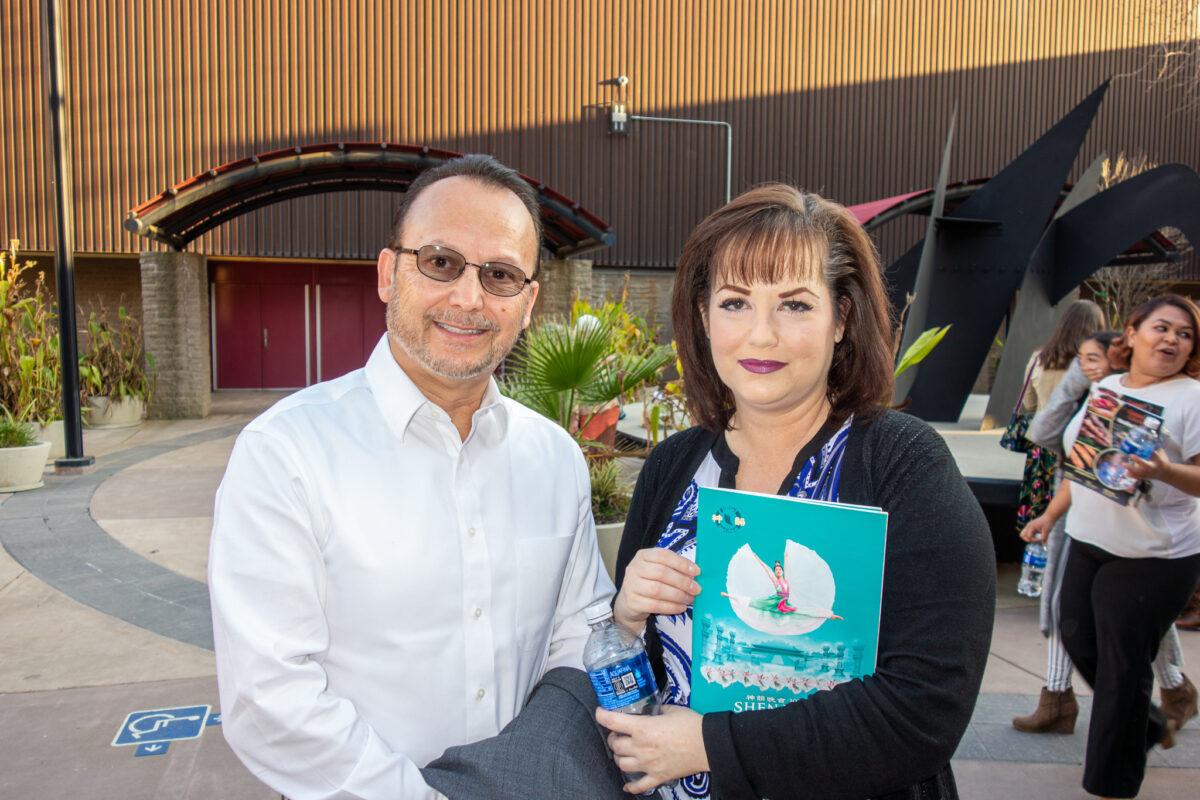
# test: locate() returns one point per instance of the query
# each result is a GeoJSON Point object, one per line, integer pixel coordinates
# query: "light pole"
{"type": "Point", "coordinates": [64, 250]}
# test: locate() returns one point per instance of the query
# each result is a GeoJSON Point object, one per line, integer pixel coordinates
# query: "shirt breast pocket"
{"type": "Point", "coordinates": [541, 568]}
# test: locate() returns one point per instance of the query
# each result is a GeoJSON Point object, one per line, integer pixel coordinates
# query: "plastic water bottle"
{"type": "Point", "coordinates": [1033, 567]}
{"type": "Point", "coordinates": [1140, 441]}
{"type": "Point", "coordinates": [620, 672]}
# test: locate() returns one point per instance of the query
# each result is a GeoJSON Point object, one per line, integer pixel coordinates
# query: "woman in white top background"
{"type": "Point", "coordinates": [1131, 569]}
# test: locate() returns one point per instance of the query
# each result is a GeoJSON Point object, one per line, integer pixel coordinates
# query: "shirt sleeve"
{"type": "Point", "coordinates": [902, 724]}
{"type": "Point", "coordinates": [1046, 428]}
{"type": "Point", "coordinates": [585, 582]}
{"type": "Point", "coordinates": [267, 582]}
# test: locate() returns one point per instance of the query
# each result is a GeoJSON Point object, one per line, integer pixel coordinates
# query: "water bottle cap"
{"type": "Point", "coordinates": [598, 612]}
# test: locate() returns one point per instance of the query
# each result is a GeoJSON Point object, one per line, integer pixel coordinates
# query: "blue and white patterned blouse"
{"type": "Point", "coordinates": [817, 479]}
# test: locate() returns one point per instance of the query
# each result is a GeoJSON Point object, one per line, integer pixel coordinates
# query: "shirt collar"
{"type": "Point", "coordinates": [399, 399]}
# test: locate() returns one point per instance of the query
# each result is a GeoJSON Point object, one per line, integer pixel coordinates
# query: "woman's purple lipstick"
{"type": "Point", "coordinates": [760, 367]}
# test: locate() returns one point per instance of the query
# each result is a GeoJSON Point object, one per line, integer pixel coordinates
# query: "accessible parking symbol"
{"type": "Point", "coordinates": [161, 725]}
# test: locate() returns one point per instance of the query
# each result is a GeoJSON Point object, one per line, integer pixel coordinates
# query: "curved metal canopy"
{"type": "Point", "coordinates": [185, 211]}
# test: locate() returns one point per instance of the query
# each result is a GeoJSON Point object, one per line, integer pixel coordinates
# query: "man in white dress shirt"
{"type": "Point", "coordinates": [398, 555]}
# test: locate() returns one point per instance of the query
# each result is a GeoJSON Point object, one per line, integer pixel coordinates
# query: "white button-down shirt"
{"type": "Point", "coordinates": [383, 589]}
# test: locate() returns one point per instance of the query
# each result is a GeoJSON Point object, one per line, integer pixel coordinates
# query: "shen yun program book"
{"type": "Point", "coordinates": [791, 600]}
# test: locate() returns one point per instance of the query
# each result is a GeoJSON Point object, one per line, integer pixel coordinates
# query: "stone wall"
{"type": "Point", "coordinates": [108, 281]}
{"type": "Point", "coordinates": [175, 319]}
{"type": "Point", "coordinates": [648, 291]}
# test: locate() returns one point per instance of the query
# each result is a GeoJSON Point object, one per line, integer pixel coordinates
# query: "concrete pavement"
{"type": "Point", "coordinates": [76, 661]}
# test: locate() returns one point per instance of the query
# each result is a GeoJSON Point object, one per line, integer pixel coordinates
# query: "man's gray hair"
{"type": "Point", "coordinates": [481, 167]}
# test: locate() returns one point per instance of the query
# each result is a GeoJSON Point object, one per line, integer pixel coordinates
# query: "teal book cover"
{"type": "Point", "coordinates": [791, 598]}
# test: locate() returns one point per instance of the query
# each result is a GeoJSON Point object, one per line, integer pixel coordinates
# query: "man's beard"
{"type": "Point", "coordinates": [409, 334]}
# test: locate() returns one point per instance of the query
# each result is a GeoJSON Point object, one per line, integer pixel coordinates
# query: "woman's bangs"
{"type": "Point", "coordinates": [768, 255]}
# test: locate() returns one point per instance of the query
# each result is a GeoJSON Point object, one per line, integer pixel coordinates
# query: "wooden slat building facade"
{"type": "Point", "coordinates": [851, 99]}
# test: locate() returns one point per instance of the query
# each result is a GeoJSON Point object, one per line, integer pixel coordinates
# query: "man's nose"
{"type": "Point", "coordinates": [466, 291]}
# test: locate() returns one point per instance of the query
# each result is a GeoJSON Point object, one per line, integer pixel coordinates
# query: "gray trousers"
{"type": "Point", "coordinates": [553, 750]}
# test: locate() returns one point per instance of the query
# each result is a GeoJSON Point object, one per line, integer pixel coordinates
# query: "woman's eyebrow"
{"type": "Point", "coordinates": [796, 291]}
{"type": "Point", "coordinates": [732, 288]}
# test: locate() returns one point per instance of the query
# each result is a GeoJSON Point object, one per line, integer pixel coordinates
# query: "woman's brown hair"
{"type": "Point", "coordinates": [1080, 320]}
{"type": "Point", "coordinates": [764, 236]}
{"type": "Point", "coordinates": [1121, 353]}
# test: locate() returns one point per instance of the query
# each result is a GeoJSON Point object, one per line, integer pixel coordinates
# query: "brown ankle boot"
{"type": "Point", "coordinates": [1189, 620]}
{"type": "Point", "coordinates": [1055, 713]}
{"type": "Point", "coordinates": [1179, 704]}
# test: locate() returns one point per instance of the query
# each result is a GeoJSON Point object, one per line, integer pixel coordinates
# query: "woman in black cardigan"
{"type": "Point", "coordinates": [785, 339]}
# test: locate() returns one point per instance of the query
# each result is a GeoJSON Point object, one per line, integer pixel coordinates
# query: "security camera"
{"type": "Point", "coordinates": [621, 81]}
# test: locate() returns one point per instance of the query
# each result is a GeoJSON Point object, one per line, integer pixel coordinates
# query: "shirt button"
{"type": "Point", "coordinates": [478, 613]}
{"type": "Point", "coordinates": [479, 694]}
{"type": "Point", "coordinates": [470, 531]}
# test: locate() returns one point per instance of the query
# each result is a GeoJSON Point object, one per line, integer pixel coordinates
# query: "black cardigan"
{"type": "Point", "coordinates": [897, 727]}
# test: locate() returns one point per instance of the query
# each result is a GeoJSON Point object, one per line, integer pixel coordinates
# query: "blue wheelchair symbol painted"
{"type": "Point", "coordinates": [161, 725]}
{"type": "Point", "coordinates": [213, 719]}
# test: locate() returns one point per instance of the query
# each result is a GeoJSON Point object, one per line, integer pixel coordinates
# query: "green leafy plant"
{"type": "Point", "coordinates": [630, 333]}
{"type": "Point", "coordinates": [15, 433]}
{"type": "Point", "coordinates": [115, 364]}
{"type": "Point", "coordinates": [922, 347]}
{"type": "Point", "coordinates": [561, 367]}
{"type": "Point", "coordinates": [30, 368]}
{"type": "Point", "coordinates": [665, 406]}
{"type": "Point", "coordinates": [610, 495]}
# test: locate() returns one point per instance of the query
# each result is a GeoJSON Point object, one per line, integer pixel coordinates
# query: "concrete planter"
{"type": "Point", "coordinates": [21, 467]}
{"type": "Point", "coordinates": [123, 413]}
{"type": "Point", "coordinates": [608, 536]}
{"type": "Point", "coordinates": [52, 433]}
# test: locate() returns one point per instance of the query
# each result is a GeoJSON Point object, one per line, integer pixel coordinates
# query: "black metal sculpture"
{"type": "Point", "coordinates": [1006, 234]}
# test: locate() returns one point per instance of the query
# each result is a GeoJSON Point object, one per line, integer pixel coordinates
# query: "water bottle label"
{"type": "Point", "coordinates": [624, 683]}
{"type": "Point", "coordinates": [1035, 560]}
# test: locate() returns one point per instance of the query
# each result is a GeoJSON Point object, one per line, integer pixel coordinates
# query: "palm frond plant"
{"type": "Point", "coordinates": [560, 368]}
{"type": "Point", "coordinates": [564, 370]}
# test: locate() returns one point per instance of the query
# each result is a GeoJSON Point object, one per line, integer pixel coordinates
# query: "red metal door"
{"type": "Point", "coordinates": [374, 317]}
{"type": "Point", "coordinates": [238, 336]}
{"type": "Point", "coordinates": [284, 336]}
{"type": "Point", "coordinates": [341, 330]}
{"type": "Point", "coordinates": [351, 318]}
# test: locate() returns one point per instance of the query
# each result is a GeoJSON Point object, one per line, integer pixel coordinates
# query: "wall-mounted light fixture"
{"type": "Point", "coordinates": [619, 120]}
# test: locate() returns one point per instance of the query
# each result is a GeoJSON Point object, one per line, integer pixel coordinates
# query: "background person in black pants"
{"type": "Point", "coordinates": [1131, 569]}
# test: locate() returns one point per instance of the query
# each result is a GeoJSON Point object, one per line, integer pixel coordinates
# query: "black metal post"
{"type": "Point", "coordinates": [64, 250]}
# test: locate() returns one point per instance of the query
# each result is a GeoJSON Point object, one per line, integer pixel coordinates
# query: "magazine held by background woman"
{"type": "Point", "coordinates": [1098, 457]}
{"type": "Point", "coordinates": [799, 601]}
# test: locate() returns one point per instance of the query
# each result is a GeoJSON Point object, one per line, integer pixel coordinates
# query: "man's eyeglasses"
{"type": "Point", "coordinates": [444, 264]}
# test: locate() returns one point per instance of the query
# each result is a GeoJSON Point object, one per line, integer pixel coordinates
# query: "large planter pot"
{"type": "Point", "coordinates": [125, 412]}
{"type": "Point", "coordinates": [52, 434]}
{"type": "Point", "coordinates": [602, 427]}
{"type": "Point", "coordinates": [21, 467]}
{"type": "Point", "coordinates": [608, 536]}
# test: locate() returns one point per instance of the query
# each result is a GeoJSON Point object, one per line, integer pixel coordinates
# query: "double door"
{"type": "Point", "coordinates": [288, 326]}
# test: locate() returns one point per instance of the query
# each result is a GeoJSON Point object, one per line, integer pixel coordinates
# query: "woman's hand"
{"type": "Point", "coordinates": [664, 748]}
{"type": "Point", "coordinates": [657, 581]}
{"type": "Point", "coordinates": [1038, 529]}
{"type": "Point", "coordinates": [1153, 468]}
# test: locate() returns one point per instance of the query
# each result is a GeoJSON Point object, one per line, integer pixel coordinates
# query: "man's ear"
{"type": "Point", "coordinates": [533, 293]}
{"type": "Point", "coordinates": [385, 267]}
